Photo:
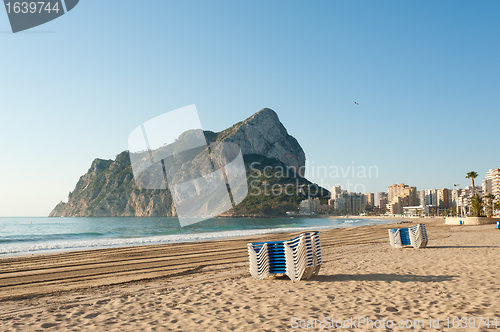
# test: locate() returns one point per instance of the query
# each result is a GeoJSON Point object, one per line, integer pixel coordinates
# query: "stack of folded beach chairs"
{"type": "Point", "coordinates": [415, 236]}
{"type": "Point", "coordinates": [298, 258]}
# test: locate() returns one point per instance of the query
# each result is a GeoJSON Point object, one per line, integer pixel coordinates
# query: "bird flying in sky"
{"type": "Point", "coordinates": [356, 103]}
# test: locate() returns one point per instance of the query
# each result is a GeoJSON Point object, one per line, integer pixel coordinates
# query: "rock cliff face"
{"type": "Point", "coordinates": [263, 134]}
{"type": "Point", "coordinates": [108, 188]}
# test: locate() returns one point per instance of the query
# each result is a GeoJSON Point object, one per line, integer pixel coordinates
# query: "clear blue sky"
{"type": "Point", "coordinates": [425, 74]}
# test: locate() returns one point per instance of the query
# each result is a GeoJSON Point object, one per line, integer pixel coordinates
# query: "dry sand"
{"type": "Point", "coordinates": [207, 287]}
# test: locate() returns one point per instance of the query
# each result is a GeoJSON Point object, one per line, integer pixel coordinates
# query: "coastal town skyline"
{"type": "Point", "coordinates": [405, 200]}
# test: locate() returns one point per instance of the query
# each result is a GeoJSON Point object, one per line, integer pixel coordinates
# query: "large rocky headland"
{"type": "Point", "coordinates": [108, 188]}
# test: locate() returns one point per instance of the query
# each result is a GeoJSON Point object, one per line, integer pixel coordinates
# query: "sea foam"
{"type": "Point", "coordinates": [68, 245]}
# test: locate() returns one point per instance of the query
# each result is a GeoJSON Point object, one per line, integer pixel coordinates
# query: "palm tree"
{"type": "Point", "coordinates": [472, 175]}
{"type": "Point", "coordinates": [497, 205]}
{"type": "Point", "coordinates": [476, 205]}
{"type": "Point", "coordinates": [490, 198]}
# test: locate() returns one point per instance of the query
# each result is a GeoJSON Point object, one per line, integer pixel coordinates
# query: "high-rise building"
{"type": "Point", "coordinates": [309, 206]}
{"type": "Point", "coordinates": [396, 190]}
{"type": "Point", "coordinates": [381, 199]}
{"type": "Point", "coordinates": [357, 202]}
{"type": "Point", "coordinates": [429, 197]}
{"type": "Point", "coordinates": [443, 198]}
{"type": "Point", "coordinates": [340, 204]}
{"type": "Point", "coordinates": [382, 202]}
{"type": "Point", "coordinates": [370, 199]}
{"type": "Point", "coordinates": [436, 197]}
{"type": "Point", "coordinates": [491, 183]}
{"type": "Point", "coordinates": [403, 190]}
{"type": "Point", "coordinates": [335, 192]}
{"type": "Point", "coordinates": [400, 196]}
{"type": "Point", "coordinates": [396, 205]}
{"type": "Point", "coordinates": [349, 202]}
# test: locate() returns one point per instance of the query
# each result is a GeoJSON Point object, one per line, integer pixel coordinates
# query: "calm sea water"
{"type": "Point", "coordinates": [40, 235]}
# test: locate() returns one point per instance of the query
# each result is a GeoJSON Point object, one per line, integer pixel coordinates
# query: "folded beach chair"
{"type": "Point", "coordinates": [298, 258]}
{"type": "Point", "coordinates": [415, 236]}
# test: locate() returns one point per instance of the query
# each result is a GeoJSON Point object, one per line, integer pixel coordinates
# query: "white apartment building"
{"type": "Point", "coordinates": [491, 184]}
{"type": "Point", "coordinates": [381, 199]}
{"type": "Point", "coordinates": [347, 202]}
{"type": "Point", "coordinates": [309, 206]}
{"type": "Point", "coordinates": [429, 197]}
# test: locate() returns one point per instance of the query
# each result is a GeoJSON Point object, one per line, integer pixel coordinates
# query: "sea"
{"type": "Point", "coordinates": [35, 235]}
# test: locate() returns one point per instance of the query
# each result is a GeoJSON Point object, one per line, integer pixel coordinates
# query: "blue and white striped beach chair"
{"type": "Point", "coordinates": [298, 258]}
{"type": "Point", "coordinates": [415, 236]}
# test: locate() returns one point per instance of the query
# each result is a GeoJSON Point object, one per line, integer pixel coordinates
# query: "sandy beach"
{"type": "Point", "coordinates": [206, 286]}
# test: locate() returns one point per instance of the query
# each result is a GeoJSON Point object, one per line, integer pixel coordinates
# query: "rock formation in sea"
{"type": "Point", "coordinates": [109, 189]}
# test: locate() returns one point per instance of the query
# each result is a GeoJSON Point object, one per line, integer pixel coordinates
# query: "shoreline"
{"type": "Point", "coordinates": [57, 246]}
{"type": "Point", "coordinates": [381, 217]}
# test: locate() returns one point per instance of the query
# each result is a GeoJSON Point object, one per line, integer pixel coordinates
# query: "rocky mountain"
{"type": "Point", "coordinates": [263, 134]}
{"type": "Point", "coordinates": [109, 188]}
